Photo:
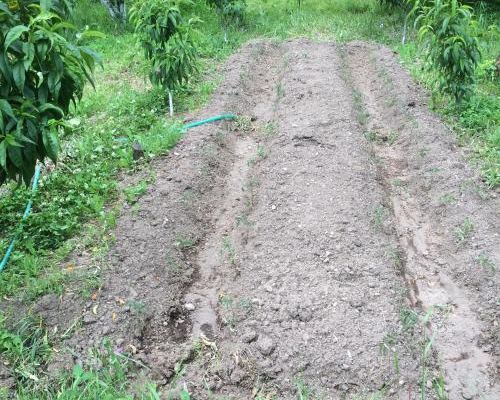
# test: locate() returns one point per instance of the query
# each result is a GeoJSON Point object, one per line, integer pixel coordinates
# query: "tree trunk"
{"type": "Point", "coordinates": [116, 8]}
{"type": "Point", "coordinates": [170, 103]}
{"type": "Point", "coordinates": [403, 39]}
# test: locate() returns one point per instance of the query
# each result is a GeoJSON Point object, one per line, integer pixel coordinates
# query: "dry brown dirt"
{"type": "Point", "coordinates": [334, 235]}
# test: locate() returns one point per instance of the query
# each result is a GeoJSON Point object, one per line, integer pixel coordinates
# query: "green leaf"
{"type": "Point", "coordinates": [91, 34]}
{"type": "Point", "coordinates": [42, 47]}
{"type": "Point", "coordinates": [62, 26]}
{"type": "Point", "coordinates": [14, 34]}
{"type": "Point", "coordinates": [51, 143]}
{"type": "Point", "coordinates": [4, 67]}
{"type": "Point", "coordinates": [28, 171]}
{"type": "Point", "coordinates": [29, 54]}
{"type": "Point", "coordinates": [6, 108]}
{"type": "Point", "coordinates": [3, 155]}
{"type": "Point", "coordinates": [50, 107]}
{"type": "Point", "coordinates": [19, 74]}
{"type": "Point", "coordinates": [15, 155]}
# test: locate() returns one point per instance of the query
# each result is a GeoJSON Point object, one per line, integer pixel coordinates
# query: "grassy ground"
{"type": "Point", "coordinates": [77, 201]}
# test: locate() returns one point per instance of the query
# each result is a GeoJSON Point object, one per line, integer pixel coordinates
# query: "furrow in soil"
{"type": "Point", "coordinates": [444, 220]}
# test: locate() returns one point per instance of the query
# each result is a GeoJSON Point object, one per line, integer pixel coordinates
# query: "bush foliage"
{"type": "Point", "coordinates": [447, 30]}
{"type": "Point", "coordinates": [231, 11]}
{"type": "Point", "coordinates": [41, 74]}
{"type": "Point", "coordinates": [167, 39]}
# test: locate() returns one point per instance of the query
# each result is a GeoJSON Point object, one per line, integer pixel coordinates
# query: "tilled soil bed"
{"type": "Point", "coordinates": [334, 237]}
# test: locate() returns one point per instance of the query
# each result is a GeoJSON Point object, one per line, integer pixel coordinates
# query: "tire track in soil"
{"type": "Point", "coordinates": [203, 295]}
{"type": "Point", "coordinates": [436, 265]}
{"type": "Point", "coordinates": [217, 259]}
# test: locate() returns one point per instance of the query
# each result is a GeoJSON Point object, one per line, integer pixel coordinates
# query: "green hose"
{"type": "Point", "coordinates": [208, 120]}
{"type": "Point", "coordinates": [36, 178]}
{"type": "Point", "coordinates": [26, 213]}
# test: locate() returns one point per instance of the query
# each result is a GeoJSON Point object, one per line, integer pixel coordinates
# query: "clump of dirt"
{"type": "Point", "coordinates": [334, 237]}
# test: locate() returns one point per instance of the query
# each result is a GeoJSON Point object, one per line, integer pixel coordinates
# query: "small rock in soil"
{"type": "Point", "coordinates": [137, 151]}
{"type": "Point", "coordinates": [357, 303]}
{"type": "Point", "coordinates": [305, 314]}
{"type": "Point", "coordinates": [265, 345]}
{"type": "Point", "coordinates": [249, 337]}
{"type": "Point", "coordinates": [189, 306]}
{"type": "Point", "coordinates": [89, 319]}
{"type": "Point", "coordinates": [469, 392]}
{"type": "Point", "coordinates": [237, 375]}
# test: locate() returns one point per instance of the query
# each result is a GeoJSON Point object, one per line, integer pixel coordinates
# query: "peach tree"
{"type": "Point", "coordinates": [41, 74]}
{"type": "Point", "coordinates": [168, 42]}
{"type": "Point", "coordinates": [230, 11]}
{"type": "Point", "coordinates": [448, 31]}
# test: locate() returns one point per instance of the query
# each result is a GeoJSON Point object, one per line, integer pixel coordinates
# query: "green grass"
{"type": "Point", "coordinates": [486, 262]}
{"type": "Point", "coordinates": [464, 231]}
{"type": "Point", "coordinates": [304, 392]}
{"type": "Point", "coordinates": [341, 20]}
{"type": "Point", "coordinates": [28, 347]}
{"type": "Point", "coordinates": [89, 14]}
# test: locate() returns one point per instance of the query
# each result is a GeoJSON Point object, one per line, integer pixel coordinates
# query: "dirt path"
{"type": "Point", "coordinates": [334, 236]}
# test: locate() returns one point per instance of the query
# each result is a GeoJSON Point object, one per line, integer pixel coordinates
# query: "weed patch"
{"type": "Point", "coordinates": [464, 231]}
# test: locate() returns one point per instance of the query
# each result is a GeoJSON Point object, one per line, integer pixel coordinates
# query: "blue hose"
{"type": "Point", "coordinates": [36, 178]}
{"type": "Point", "coordinates": [26, 213]}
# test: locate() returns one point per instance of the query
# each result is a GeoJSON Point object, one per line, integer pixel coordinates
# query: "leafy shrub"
{"type": "Point", "coordinates": [447, 30]}
{"type": "Point", "coordinates": [168, 42]}
{"type": "Point", "coordinates": [489, 37]}
{"type": "Point", "coordinates": [41, 74]}
{"type": "Point", "coordinates": [230, 11]}
{"type": "Point", "coordinates": [481, 113]}
{"type": "Point", "coordinates": [393, 3]}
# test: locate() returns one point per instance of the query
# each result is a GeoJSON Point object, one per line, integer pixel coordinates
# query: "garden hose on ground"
{"type": "Point", "coordinates": [27, 211]}
{"type": "Point", "coordinates": [208, 120]}
{"type": "Point", "coordinates": [36, 178]}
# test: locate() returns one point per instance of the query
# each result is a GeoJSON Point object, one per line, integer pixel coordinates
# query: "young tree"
{"type": "Point", "coordinates": [447, 31]}
{"type": "Point", "coordinates": [116, 8]}
{"type": "Point", "coordinates": [41, 74]}
{"type": "Point", "coordinates": [167, 39]}
{"type": "Point", "coordinates": [230, 11]}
